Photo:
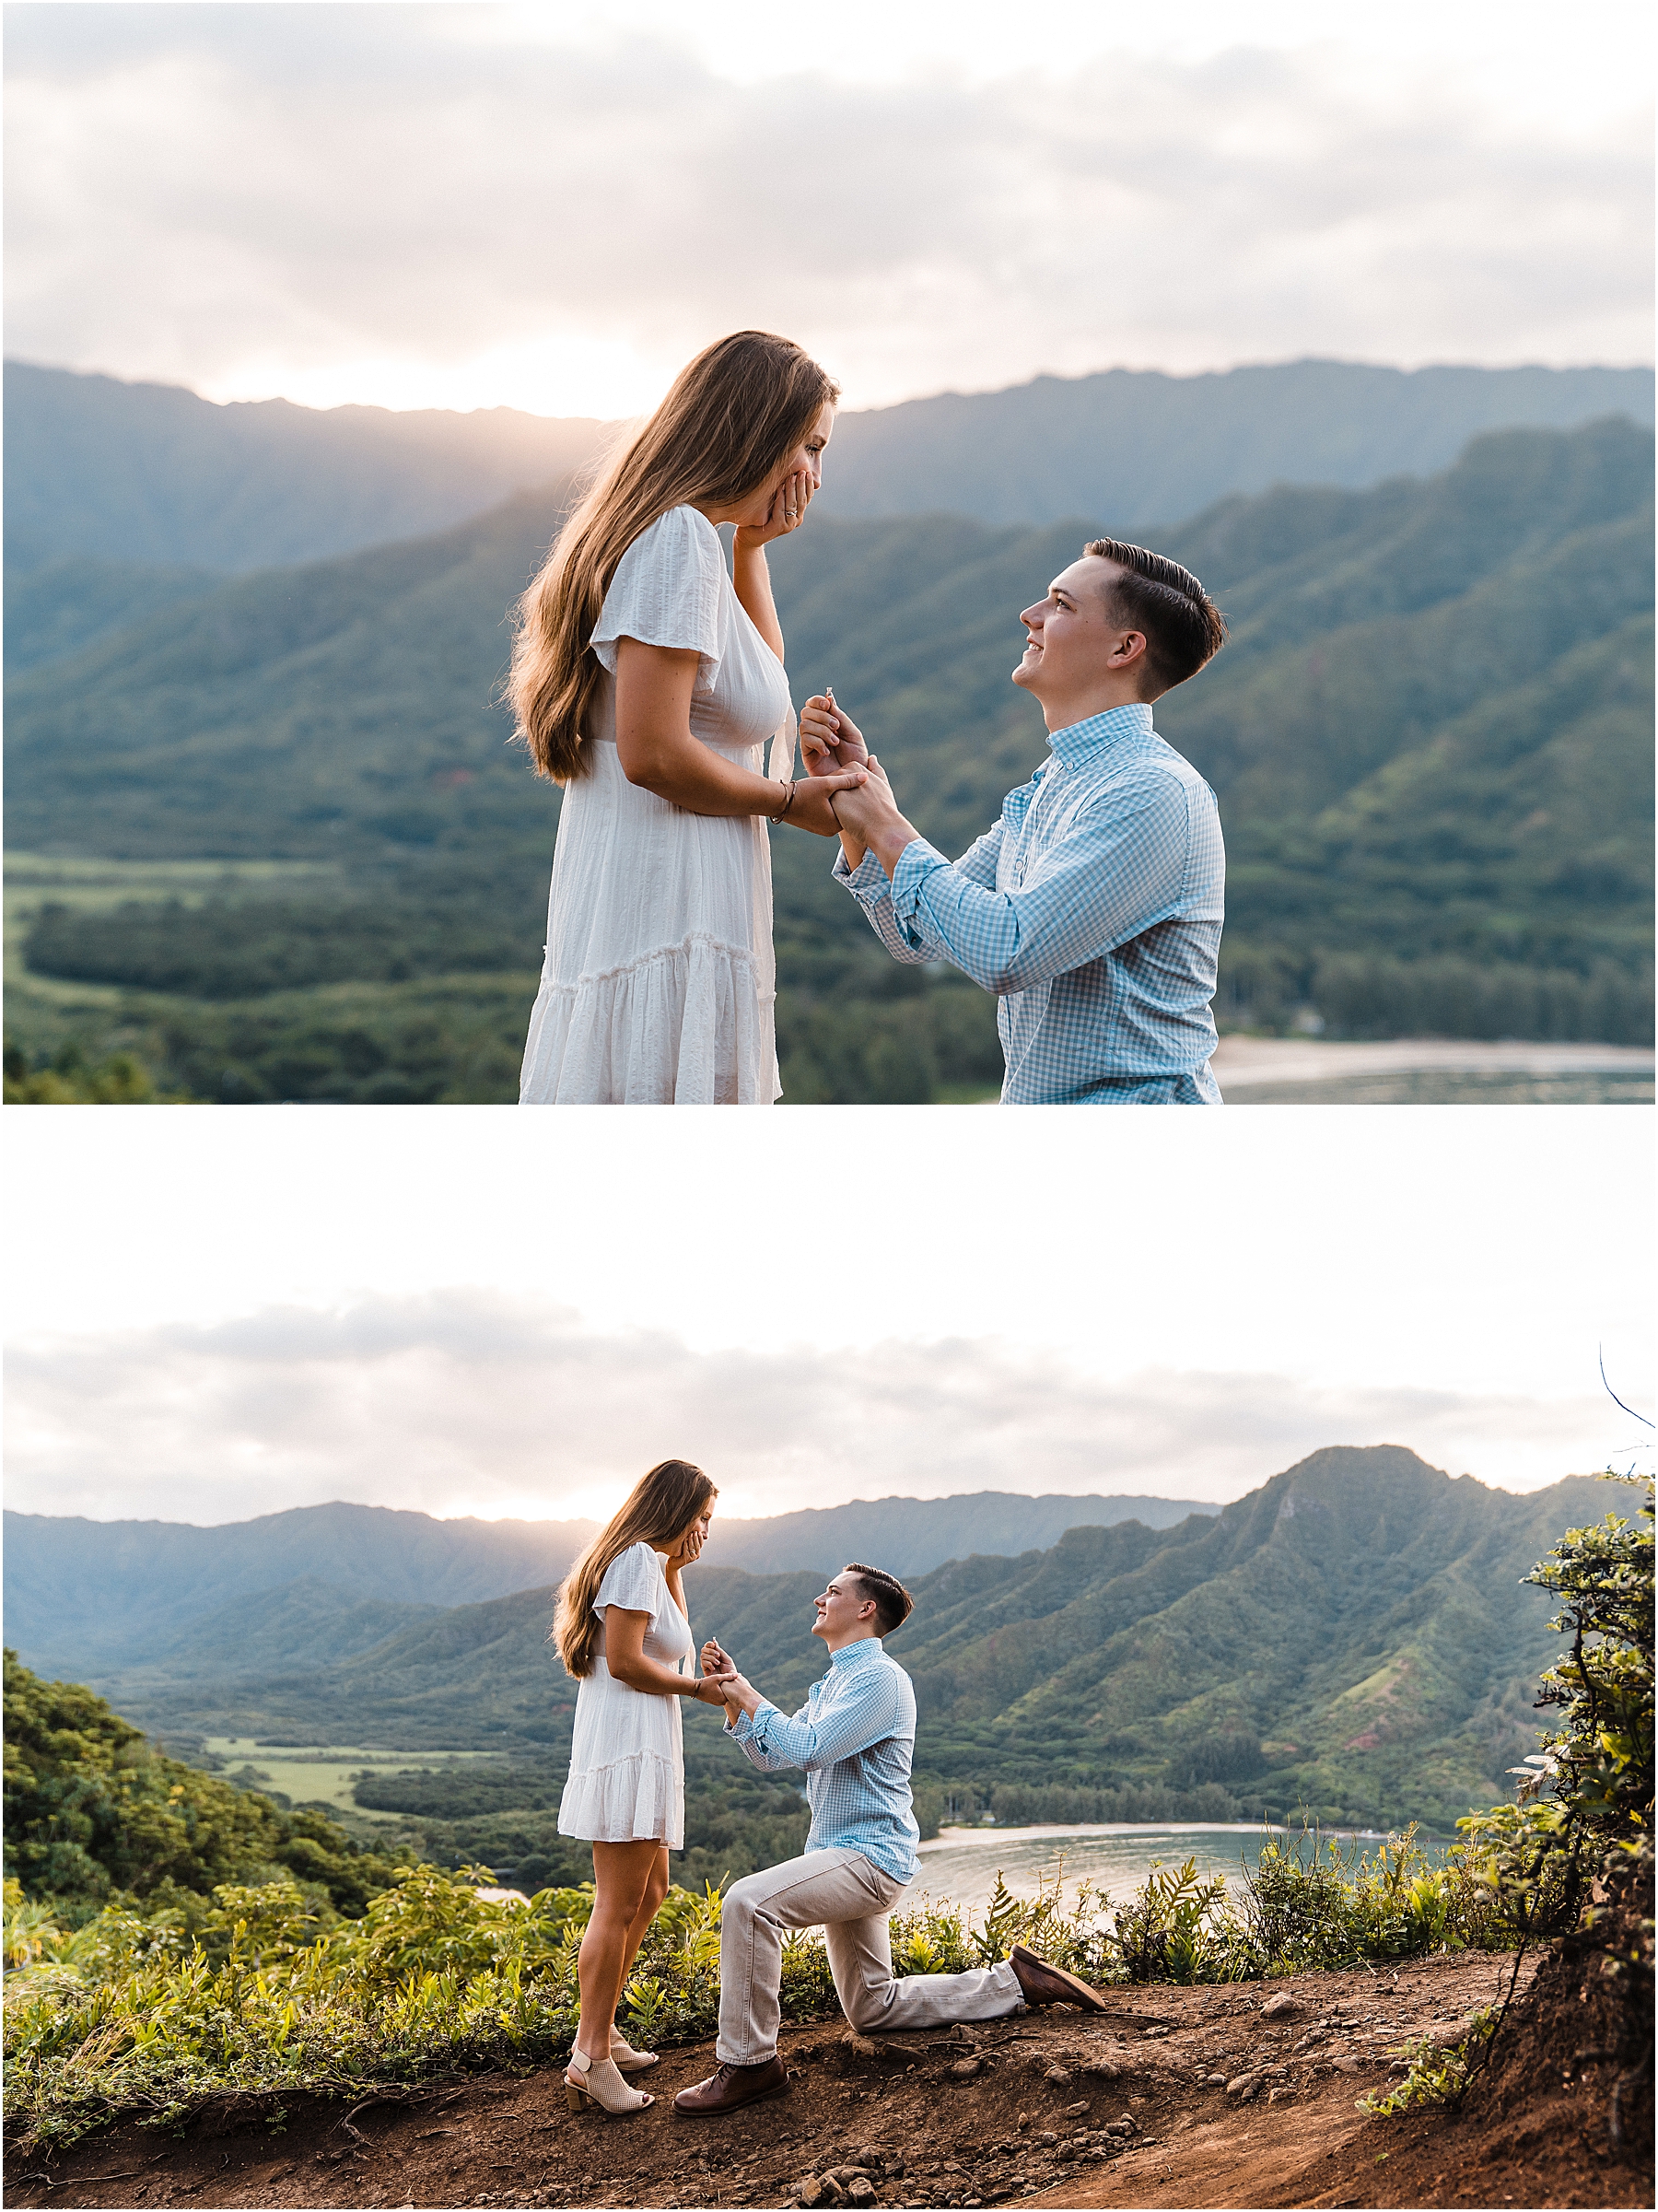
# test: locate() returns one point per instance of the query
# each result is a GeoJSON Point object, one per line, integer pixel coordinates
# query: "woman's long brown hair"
{"type": "Point", "coordinates": [661, 1508]}
{"type": "Point", "coordinates": [730, 421]}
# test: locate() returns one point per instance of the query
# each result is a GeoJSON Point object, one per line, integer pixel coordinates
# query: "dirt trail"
{"type": "Point", "coordinates": [1236, 2096]}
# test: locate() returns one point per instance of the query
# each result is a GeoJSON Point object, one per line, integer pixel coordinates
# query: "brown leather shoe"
{"type": "Point", "coordinates": [1046, 1984]}
{"type": "Point", "coordinates": [727, 2086]}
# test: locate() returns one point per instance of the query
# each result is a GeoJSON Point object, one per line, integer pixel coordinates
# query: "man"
{"type": "Point", "coordinates": [855, 1737]}
{"type": "Point", "coordinates": [1093, 907]}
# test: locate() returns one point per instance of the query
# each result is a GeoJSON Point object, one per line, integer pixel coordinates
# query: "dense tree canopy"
{"type": "Point", "coordinates": [93, 1809]}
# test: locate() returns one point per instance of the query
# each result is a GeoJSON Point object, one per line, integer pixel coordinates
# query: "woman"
{"type": "Point", "coordinates": [622, 1630]}
{"type": "Point", "coordinates": [646, 679]}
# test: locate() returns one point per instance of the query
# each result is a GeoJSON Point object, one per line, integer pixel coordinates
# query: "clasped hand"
{"type": "Point", "coordinates": [720, 1668]}
{"type": "Point", "coordinates": [832, 744]}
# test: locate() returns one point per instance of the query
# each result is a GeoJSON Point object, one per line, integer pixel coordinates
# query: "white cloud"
{"type": "Point", "coordinates": [463, 1402]}
{"type": "Point", "coordinates": [435, 206]}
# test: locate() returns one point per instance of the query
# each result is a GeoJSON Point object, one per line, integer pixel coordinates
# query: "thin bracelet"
{"type": "Point", "coordinates": [788, 803]}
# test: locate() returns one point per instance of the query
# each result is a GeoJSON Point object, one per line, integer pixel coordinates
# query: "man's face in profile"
{"type": "Point", "coordinates": [1071, 634]}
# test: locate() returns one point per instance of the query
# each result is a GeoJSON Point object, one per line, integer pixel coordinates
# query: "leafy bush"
{"type": "Point", "coordinates": [1307, 1903]}
{"type": "Point", "coordinates": [150, 2016]}
{"type": "Point", "coordinates": [1590, 1789]}
{"type": "Point", "coordinates": [1584, 1807]}
{"type": "Point", "coordinates": [1434, 2073]}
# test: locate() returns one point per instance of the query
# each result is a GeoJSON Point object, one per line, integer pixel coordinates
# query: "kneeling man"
{"type": "Point", "coordinates": [1093, 908]}
{"type": "Point", "coordinates": [855, 1737]}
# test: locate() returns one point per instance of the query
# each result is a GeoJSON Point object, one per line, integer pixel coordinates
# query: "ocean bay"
{"type": "Point", "coordinates": [960, 1865]}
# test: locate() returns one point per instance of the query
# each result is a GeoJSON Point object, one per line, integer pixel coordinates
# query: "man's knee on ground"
{"type": "Point", "coordinates": [868, 2004]}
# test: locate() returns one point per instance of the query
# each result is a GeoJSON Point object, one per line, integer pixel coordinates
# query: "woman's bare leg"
{"type": "Point", "coordinates": [656, 1888]}
{"type": "Point", "coordinates": [621, 1880]}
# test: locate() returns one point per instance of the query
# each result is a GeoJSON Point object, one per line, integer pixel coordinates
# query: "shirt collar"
{"type": "Point", "coordinates": [1101, 734]}
{"type": "Point", "coordinates": [854, 1655]}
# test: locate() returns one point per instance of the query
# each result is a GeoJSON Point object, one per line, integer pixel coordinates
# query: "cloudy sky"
{"type": "Point", "coordinates": [215, 1316]}
{"type": "Point", "coordinates": [551, 206]}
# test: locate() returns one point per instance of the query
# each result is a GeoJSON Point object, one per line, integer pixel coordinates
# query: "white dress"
{"type": "Point", "coordinates": [659, 983]}
{"type": "Point", "coordinates": [626, 1782]}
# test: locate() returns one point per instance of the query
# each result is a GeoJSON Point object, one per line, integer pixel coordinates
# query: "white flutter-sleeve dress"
{"type": "Point", "coordinates": [659, 982]}
{"type": "Point", "coordinates": [626, 1782]}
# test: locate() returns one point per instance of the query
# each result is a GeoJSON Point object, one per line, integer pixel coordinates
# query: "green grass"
{"type": "Point", "coordinates": [320, 1773]}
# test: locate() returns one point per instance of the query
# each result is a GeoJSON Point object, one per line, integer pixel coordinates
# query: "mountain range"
{"type": "Point", "coordinates": [1354, 1636]}
{"type": "Point", "coordinates": [82, 1593]}
{"type": "Point", "coordinates": [113, 473]}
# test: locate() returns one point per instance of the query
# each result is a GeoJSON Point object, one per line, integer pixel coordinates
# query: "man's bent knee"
{"type": "Point", "coordinates": [743, 1899]}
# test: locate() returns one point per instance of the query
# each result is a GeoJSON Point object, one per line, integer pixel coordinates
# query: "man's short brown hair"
{"type": "Point", "coordinates": [892, 1601]}
{"type": "Point", "coordinates": [1183, 626]}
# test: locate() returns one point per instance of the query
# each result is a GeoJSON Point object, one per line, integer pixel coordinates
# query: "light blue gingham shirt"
{"type": "Point", "coordinates": [1092, 908]}
{"type": "Point", "coordinates": [856, 1736]}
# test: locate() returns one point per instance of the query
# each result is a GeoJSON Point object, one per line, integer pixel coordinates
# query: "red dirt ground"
{"type": "Point", "coordinates": [1049, 2109]}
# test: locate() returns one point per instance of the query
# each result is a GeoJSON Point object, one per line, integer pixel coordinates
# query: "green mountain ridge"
{"type": "Point", "coordinates": [1353, 1636]}
{"type": "Point", "coordinates": [116, 1593]}
{"type": "Point", "coordinates": [135, 472]}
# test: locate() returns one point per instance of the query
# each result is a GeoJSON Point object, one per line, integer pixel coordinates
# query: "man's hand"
{"type": "Point", "coordinates": [871, 816]}
{"type": "Point", "coordinates": [740, 1694]}
{"type": "Point", "coordinates": [818, 794]}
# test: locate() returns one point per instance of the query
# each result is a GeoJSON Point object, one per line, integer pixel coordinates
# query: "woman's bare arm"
{"type": "Point", "coordinates": [751, 577]}
{"type": "Point", "coordinates": [624, 1656]}
{"type": "Point", "coordinates": [654, 684]}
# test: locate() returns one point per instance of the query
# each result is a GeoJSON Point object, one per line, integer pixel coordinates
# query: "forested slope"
{"type": "Point", "coordinates": [93, 1810]}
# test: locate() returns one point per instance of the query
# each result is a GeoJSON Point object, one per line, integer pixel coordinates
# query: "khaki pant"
{"type": "Point", "coordinates": [851, 1899]}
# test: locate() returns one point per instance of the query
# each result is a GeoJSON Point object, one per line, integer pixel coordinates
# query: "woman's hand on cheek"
{"type": "Point", "coordinates": [786, 512]}
{"type": "Point", "coordinates": [688, 1546]}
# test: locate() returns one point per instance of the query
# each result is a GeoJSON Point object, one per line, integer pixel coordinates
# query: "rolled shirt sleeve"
{"type": "Point", "coordinates": [1118, 872]}
{"type": "Point", "coordinates": [868, 886]}
{"type": "Point", "coordinates": [841, 1733]}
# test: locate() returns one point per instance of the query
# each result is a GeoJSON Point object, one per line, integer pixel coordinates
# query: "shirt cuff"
{"type": "Point", "coordinates": [867, 882]}
{"type": "Point", "coordinates": [916, 863]}
{"type": "Point", "coordinates": [744, 1725]}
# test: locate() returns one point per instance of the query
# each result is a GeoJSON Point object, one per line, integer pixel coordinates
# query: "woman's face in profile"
{"type": "Point", "coordinates": [806, 460]}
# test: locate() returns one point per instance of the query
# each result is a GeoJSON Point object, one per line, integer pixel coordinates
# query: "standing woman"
{"type": "Point", "coordinates": [622, 1630]}
{"type": "Point", "coordinates": [646, 679]}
